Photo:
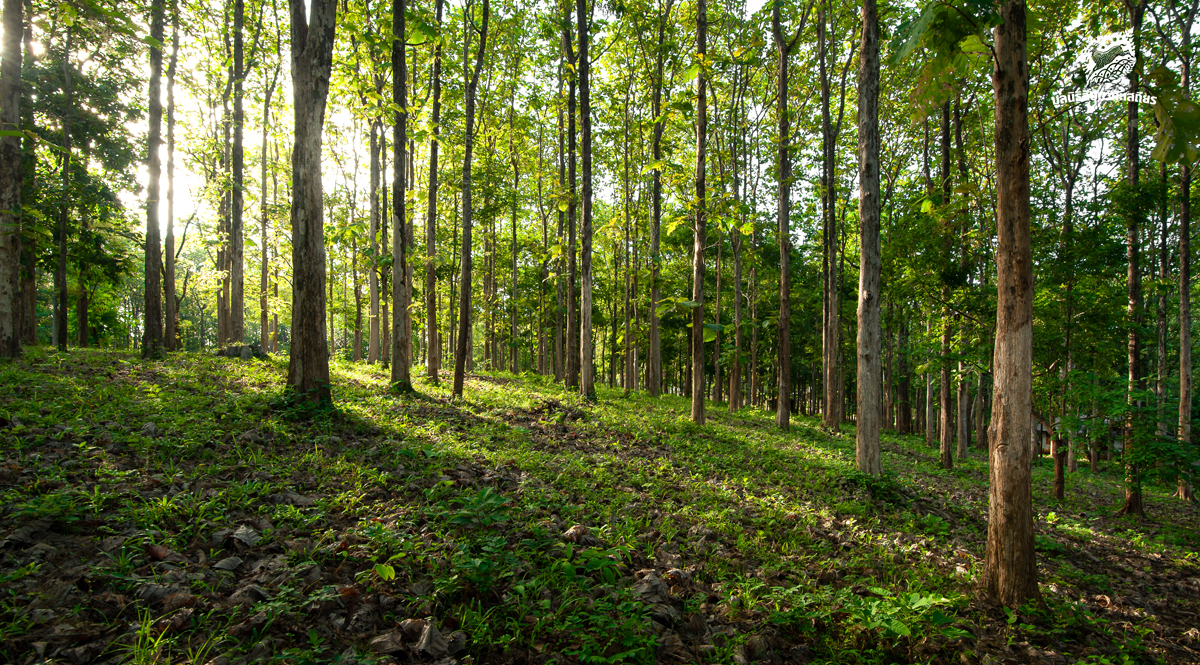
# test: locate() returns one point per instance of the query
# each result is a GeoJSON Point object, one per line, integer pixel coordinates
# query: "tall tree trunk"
{"type": "Point", "coordinates": [559, 313]}
{"type": "Point", "coordinates": [264, 308]}
{"type": "Point", "coordinates": [28, 286]}
{"type": "Point", "coordinates": [400, 378]}
{"type": "Point", "coordinates": [831, 410]}
{"type": "Point", "coordinates": [464, 315]}
{"type": "Point", "coordinates": [64, 211]}
{"type": "Point", "coordinates": [373, 279]}
{"type": "Point", "coordinates": [699, 236]}
{"type": "Point", "coordinates": [573, 336]}
{"type": "Point", "coordinates": [945, 419]}
{"type": "Point", "coordinates": [433, 360]}
{"type": "Point", "coordinates": [1133, 489]}
{"type": "Point", "coordinates": [587, 386]}
{"type": "Point", "coordinates": [655, 372]}
{"type": "Point", "coordinates": [1010, 568]}
{"type": "Point", "coordinates": [312, 58]}
{"type": "Point", "coordinates": [783, 48]}
{"type": "Point", "coordinates": [1185, 286]}
{"type": "Point", "coordinates": [237, 243]}
{"type": "Point", "coordinates": [152, 341]}
{"type": "Point", "coordinates": [171, 314]}
{"type": "Point", "coordinates": [10, 180]}
{"type": "Point", "coordinates": [867, 452]}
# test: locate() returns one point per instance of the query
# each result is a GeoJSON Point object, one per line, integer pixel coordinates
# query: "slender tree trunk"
{"type": "Point", "coordinates": [831, 308]}
{"type": "Point", "coordinates": [312, 58]}
{"type": "Point", "coordinates": [373, 279]}
{"type": "Point", "coordinates": [700, 238]}
{"type": "Point", "coordinates": [783, 329]}
{"type": "Point", "coordinates": [559, 312]}
{"type": "Point", "coordinates": [945, 419]}
{"type": "Point", "coordinates": [655, 372]}
{"type": "Point", "coordinates": [237, 244]}
{"type": "Point", "coordinates": [401, 347]}
{"type": "Point", "coordinates": [573, 335]}
{"type": "Point", "coordinates": [867, 451]}
{"type": "Point", "coordinates": [10, 180]}
{"type": "Point", "coordinates": [28, 277]}
{"type": "Point", "coordinates": [464, 316]}
{"type": "Point", "coordinates": [433, 360]}
{"type": "Point", "coordinates": [1133, 489]}
{"type": "Point", "coordinates": [264, 267]}
{"type": "Point", "coordinates": [171, 314]}
{"type": "Point", "coordinates": [64, 211]}
{"type": "Point", "coordinates": [1185, 301]}
{"type": "Point", "coordinates": [1010, 568]}
{"type": "Point", "coordinates": [152, 340]}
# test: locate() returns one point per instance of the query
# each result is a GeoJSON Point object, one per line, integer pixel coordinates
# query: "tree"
{"type": "Point", "coordinates": [10, 181]}
{"type": "Point", "coordinates": [783, 213]}
{"type": "Point", "coordinates": [1010, 567]}
{"type": "Point", "coordinates": [699, 236]}
{"type": "Point", "coordinates": [867, 453]}
{"type": "Point", "coordinates": [654, 384]}
{"type": "Point", "coordinates": [401, 349]}
{"type": "Point", "coordinates": [171, 305]}
{"type": "Point", "coordinates": [464, 312]}
{"type": "Point", "coordinates": [587, 385]}
{"type": "Point", "coordinates": [312, 61]}
{"type": "Point", "coordinates": [432, 357]}
{"type": "Point", "coordinates": [152, 340]}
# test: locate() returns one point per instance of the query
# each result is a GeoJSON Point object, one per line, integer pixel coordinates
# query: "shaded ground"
{"type": "Point", "coordinates": [168, 512]}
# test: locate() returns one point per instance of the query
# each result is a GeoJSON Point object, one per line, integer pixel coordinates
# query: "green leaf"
{"type": "Point", "coordinates": [972, 44]}
{"type": "Point", "coordinates": [385, 572]}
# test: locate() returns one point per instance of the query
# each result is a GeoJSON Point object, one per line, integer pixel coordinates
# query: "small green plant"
{"type": "Point", "coordinates": [149, 642]}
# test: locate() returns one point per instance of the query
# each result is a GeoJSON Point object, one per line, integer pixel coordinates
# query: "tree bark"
{"type": "Point", "coordinates": [945, 419]}
{"type": "Point", "coordinates": [1184, 490]}
{"type": "Point", "coordinates": [1133, 490]}
{"type": "Point", "coordinates": [433, 360]}
{"type": "Point", "coordinates": [1010, 568]}
{"type": "Point", "coordinates": [699, 237]}
{"type": "Point", "coordinates": [264, 308]}
{"type": "Point", "coordinates": [655, 376]}
{"type": "Point", "coordinates": [10, 180]}
{"type": "Point", "coordinates": [152, 340]}
{"type": "Point", "coordinates": [867, 452]}
{"type": "Point", "coordinates": [464, 315]}
{"type": "Point", "coordinates": [400, 378]}
{"type": "Point", "coordinates": [64, 210]}
{"type": "Point", "coordinates": [312, 58]}
{"type": "Point", "coordinates": [171, 313]}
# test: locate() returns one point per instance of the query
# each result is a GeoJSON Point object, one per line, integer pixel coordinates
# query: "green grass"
{"type": "Point", "coordinates": [424, 507]}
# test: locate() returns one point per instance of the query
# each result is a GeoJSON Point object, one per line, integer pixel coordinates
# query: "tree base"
{"type": "Point", "coordinates": [1133, 505]}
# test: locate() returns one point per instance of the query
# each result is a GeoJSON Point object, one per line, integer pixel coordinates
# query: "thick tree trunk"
{"type": "Point", "coordinates": [867, 453]}
{"type": "Point", "coordinates": [1010, 568]}
{"type": "Point", "coordinates": [312, 58]}
{"type": "Point", "coordinates": [464, 314]}
{"type": "Point", "coordinates": [10, 181]}
{"type": "Point", "coordinates": [152, 339]}
{"type": "Point", "coordinates": [699, 236]}
{"type": "Point", "coordinates": [433, 360]}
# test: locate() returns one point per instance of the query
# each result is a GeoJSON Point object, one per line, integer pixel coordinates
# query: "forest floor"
{"type": "Point", "coordinates": [174, 511]}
